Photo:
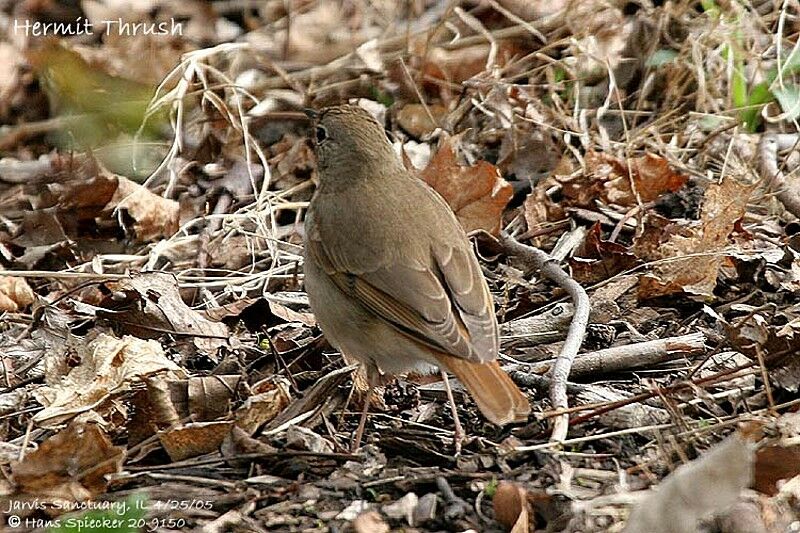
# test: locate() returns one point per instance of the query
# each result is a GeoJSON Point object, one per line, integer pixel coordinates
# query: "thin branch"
{"type": "Point", "coordinates": [538, 259]}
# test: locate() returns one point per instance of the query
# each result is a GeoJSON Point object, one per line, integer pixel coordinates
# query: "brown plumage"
{"type": "Point", "coordinates": [389, 272]}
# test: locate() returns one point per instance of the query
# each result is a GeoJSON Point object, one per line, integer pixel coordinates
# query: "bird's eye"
{"type": "Point", "coordinates": [321, 134]}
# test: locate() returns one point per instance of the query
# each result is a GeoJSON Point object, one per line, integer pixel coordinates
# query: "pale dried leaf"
{"type": "Point", "coordinates": [154, 216]}
{"type": "Point", "coordinates": [370, 522]}
{"type": "Point", "coordinates": [108, 365]}
{"type": "Point", "coordinates": [159, 308]}
{"type": "Point", "coordinates": [15, 293]}
{"type": "Point", "coordinates": [724, 204]}
{"type": "Point", "coordinates": [259, 409]}
{"type": "Point", "coordinates": [414, 118]}
{"type": "Point", "coordinates": [10, 59]}
{"type": "Point", "coordinates": [708, 484]}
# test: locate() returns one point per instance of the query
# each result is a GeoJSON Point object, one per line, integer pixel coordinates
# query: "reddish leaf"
{"type": "Point", "coordinates": [477, 194]}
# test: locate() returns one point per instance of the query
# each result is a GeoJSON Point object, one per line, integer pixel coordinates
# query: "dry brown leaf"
{"type": "Point", "coordinates": [15, 293]}
{"type": "Point", "coordinates": [238, 442]}
{"type": "Point", "coordinates": [93, 192]}
{"type": "Point", "coordinates": [210, 397]}
{"type": "Point", "coordinates": [149, 304]}
{"type": "Point", "coordinates": [323, 22]}
{"type": "Point", "coordinates": [533, 9]}
{"type": "Point", "coordinates": [597, 260]}
{"type": "Point", "coordinates": [477, 194]}
{"type": "Point", "coordinates": [724, 204]}
{"type": "Point", "coordinates": [538, 208]}
{"type": "Point", "coordinates": [108, 366]}
{"type": "Point", "coordinates": [193, 439]}
{"type": "Point", "coordinates": [370, 522]}
{"type": "Point", "coordinates": [154, 216]}
{"type": "Point", "coordinates": [290, 315]}
{"type": "Point", "coordinates": [460, 64]}
{"type": "Point", "coordinates": [774, 463]}
{"type": "Point", "coordinates": [414, 119]}
{"type": "Point", "coordinates": [71, 465]}
{"type": "Point", "coordinates": [259, 409]}
{"type": "Point", "coordinates": [611, 179]}
{"type": "Point", "coordinates": [511, 507]}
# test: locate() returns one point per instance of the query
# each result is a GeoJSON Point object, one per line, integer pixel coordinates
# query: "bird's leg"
{"type": "Point", "coordinates": [458, 437]}
{"type": "Point", "coordinates": [371, 378]}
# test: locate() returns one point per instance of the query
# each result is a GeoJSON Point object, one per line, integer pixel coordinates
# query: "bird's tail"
{"type": "Point", "coordinates": [498, 398]}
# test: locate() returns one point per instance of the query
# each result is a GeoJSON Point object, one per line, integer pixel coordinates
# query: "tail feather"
{"type": "Point", "coordinates": [498, 398]}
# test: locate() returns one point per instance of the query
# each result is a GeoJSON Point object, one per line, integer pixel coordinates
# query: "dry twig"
{"type": "Point", "coordinates": [538, 259]}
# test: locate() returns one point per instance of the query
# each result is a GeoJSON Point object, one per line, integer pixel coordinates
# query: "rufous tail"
{"type": "Point", "coordinates": [498, 398]}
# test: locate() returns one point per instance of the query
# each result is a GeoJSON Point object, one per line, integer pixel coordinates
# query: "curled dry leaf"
{"type": "Point", "coordinates": [262, 407]}
{"type": "Point", "coordinates": [601, 33]}
{"type": "Point", "coordinates": [597, 260]}
{"type": "Point", "coordinates": [779, 460]}
{"type": "Point", "coordinates": [460, 64]}
{"type": "Point", "coordinates": [414, 119]}
{"type": "Point", "coordinates": [93, 192]}
{"type": "Point", "coordinates": [15, 293]}
{"type": "Point", "coordinates": [696, 254]}
{"type": "Point", "coordinates": [153, 216]}
{"type": "Point", "coordinates": [477, 194]}
{"type": "Point", "coordinates": [238, 442]}
{"type": "Point", "coordinates": [370, 522]}
{"type": "Point", "coordinates": [193, 439]}
{"type": "Point", "coordinates": [210, 397]}
{"type": "Point", "coordinates": [511, 507]}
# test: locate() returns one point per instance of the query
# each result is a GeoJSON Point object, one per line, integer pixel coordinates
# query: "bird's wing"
{"type": "Point", "coordinates": [442, 301]}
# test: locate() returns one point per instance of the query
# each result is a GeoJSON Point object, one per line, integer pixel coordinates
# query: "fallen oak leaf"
{"type": "Point", "coordinates": [477, 194]}
{"type": "Point", "coordinates": [696, 256]}
{"type": "Point", "coordinates": [651, 176]}
{"type": "Point", "coordinates": [108, 366]}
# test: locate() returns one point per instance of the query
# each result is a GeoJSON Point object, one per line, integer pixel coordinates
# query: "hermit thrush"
{"type": "Point", "coordinates": [390, 274]}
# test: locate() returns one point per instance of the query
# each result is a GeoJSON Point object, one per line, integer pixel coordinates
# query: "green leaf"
{"type": "Point", "coordinates": [710, 7]}
{"type": "Point", "coordinates": [751, 114]}
{"type": "Point", "coordinates": [789, 99]}
{"type": "Point", "coordinates": [491, 488]}
{"type": "Point", "coordinates": [791, 65]}
{"type": "Point", "coordinates": [738, 85]}
{"type": "Point", "coordinates": [381, 97]}
{"type": "Point", "coordinates": [661, 57]}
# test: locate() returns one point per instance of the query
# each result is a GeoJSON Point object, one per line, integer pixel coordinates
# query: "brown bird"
{"type": "Point", "coordinates": [391, 275]}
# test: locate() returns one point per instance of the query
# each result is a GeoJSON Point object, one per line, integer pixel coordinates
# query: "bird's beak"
{"type": "Point", "coordinates": [312, 114]}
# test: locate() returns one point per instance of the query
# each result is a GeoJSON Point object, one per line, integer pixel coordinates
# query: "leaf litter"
{"type": "Point", "coordinates": [154, 333]}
